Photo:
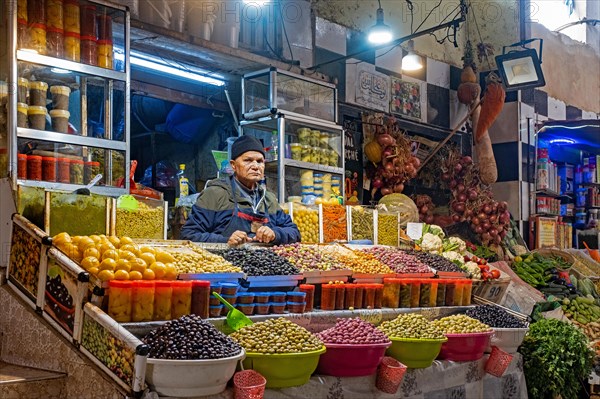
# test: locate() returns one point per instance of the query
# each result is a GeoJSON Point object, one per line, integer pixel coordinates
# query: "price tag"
{"type": "Point", "coordinates": [414, 230]}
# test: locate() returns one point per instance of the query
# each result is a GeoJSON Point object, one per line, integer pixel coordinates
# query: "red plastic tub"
{"type": "Point", "coordinates": [351, 360]}
{"type": "Point", "coordinates": [465, 347]}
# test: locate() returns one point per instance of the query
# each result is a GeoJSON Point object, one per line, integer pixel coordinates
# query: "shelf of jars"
{"type": "Point", "coordinates": [69, 112]}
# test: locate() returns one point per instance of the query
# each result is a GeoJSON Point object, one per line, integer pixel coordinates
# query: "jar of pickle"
{"type": "Point", "coordinates": [441, 292]}
{"type": "Point", "coordinates": [458, 292]}
{"type": "Point", "coordinates": [64, 170]}
{"type": "Point", "coordinates": [22, 115]}
{"type": "Point", "coordinates": [49, 169]}
{"type": "Point", "coordinates": [88, 21]}
{"type": "Point", "coordinates": [309, 289]}
{"type": "Point", "coordinates": [369, 296]}
{"type": "Point", "coordinates": [76, 171]}
{"type": "Point", "coordinates": [340, 296]}
{"type": "Point", "coordinates": [307, 220]}
{"type": "Point", "coordinates": [334, 158]}
{"type": "Point", "coordinates": [22, 166]}
{"type": "Point", "coordinates": [391, 292]}
{"type": "Point", "coordinates": [315, 138]}
{"type": "Point", "coordinates": [36, 11]}
{"type": "Point", "coordinates": [181, 299]}
{"type": "Point", "coordinates": [89, 50]}
{"type": "Point", "coordinates": [105, 31]}
{"type": "Point", "coordinates": [37, 38]}
{"type": "Point", "coordinates": [72, 43]}
{"type": "Point", "coordinates": [405, 293]}
{"type": "Point", "coordinates": [450, 293]}
{"type": "Point", "coordinates": [304, 135]}
{"type": "Point", "coordinates": [307, 178]}
{"type": "Point", "coordinates": [359, 291]}
{"type": "Point", "coordinates": [467, 292]}
{"type": "Point", "coordinates": [54, 14]}
{"type": "Point", "coordinates": [387, 228]}
{"type": "Point", "coordinates": [328, 292]}
{"type": "Point", "coordinates": [162, 300]}
{"type": "Point", "coordinates": [71, 16]}
{"type": "Point", "coordinates": [22, 34]}
{"type": "Point", "coordinates": [315, 154]}
{"type": "Point", "coordinates": [324, 140]}
{"type": "Point", "coordinates": [142, 301]}
{"type": "Point", "coordinates": [55, 39]}
{"type": "Point", "coordinates": [119, 300]}
{"type": "Point", "coordinates": [306, 153]}
{"type": "Point", "coordinates": [296, 149]}
{"type": "Point", "coordinates": [200, 298]}
{"type": "Point", "coordinates": [22, 90]}
{"type": "Point", "coordinates": [350, 295]}
{"type": "Point", "coordinates": [415, 293]}
{"type": "Point", "coordinates": [38, 94]}
{"type": "Point", "coordinates": [105, 54]}
{"type": "Point", "coordinates": [334, 218]}
{"type": "Point", "coordinates": [22, 10]}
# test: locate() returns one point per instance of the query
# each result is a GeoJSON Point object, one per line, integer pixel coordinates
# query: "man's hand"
{"type": "Point", "coordinates": [264, 234]}
{"type": "Point", "coordinates": [238, 238]}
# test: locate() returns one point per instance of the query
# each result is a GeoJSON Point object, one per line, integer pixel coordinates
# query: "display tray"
{"type": "Point", "coordinates": [273, 281]}
{"type": "Point", "coordinates": [325, 276]}
{"type": "Point", "coordinates": [213, 277]}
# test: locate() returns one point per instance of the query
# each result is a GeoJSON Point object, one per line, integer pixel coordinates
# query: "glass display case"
{"type": "Point", "coordinates": [269, 91]}
{"type": "Point", "coordinates": [302, 154]}
{"type": "Point", "coordinates": [70, 112]}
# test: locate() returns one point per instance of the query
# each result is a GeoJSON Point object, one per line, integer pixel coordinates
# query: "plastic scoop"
{"type": "Point", "coordinates": [86, 190]}
{"type": "Point", "coordinates": [594, 253]}
{"type": "Point", "coordinates": [235, 318]}
{"type": "Point", "coordinates": [127, 202]}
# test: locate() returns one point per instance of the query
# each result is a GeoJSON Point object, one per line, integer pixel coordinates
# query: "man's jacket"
{"type": "Point", "coordinates": [213, 211]}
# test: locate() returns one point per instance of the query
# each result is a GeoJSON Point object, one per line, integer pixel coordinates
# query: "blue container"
{"type": "Point", "coordinates": [245, 297]}
{"type": "Point", "coordinates": [215, 310]}
{"type": "Point", "coordinates": [296, 307]}
{"type": "Point", "coordinates": [246, 308]}
{"type": "Point", "coordinates": [296, 296]}
{"type": "Point", "coordinates": [229, 289]}
{"type": "Point", "coordinates": [277, 307]}
{"type": "Point", "coordinates": [232, 299]}
{"type": "Point", "coordinates": [277, 296]}
{"type": "Point", "coordinates": [261, 297]}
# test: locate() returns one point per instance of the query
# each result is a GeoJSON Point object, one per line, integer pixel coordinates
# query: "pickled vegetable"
{"type": "Point", "coordinates": [387, 229]}
{"type": "Point", "coordinates": [54, 14]}
{"type": "Point", "coordinates": [71, 16]}
{"type": "Point", "coordinates": [334, 217]}
{"type": "Point", "coordinates": [362, 223]}
{"type": "Point", "coordinates": [142, 300]}
{"type": "Point", "coordinates": [77, 214]}
{"type": "Point", "coordinates": [307, 221]}
{"type": "Point", "coordinates": [144, 222]}
{"type": "Point", "coordinates": [119, 301]}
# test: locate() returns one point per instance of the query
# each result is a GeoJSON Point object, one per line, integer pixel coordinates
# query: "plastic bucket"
{"type": "Point", "coordinates": [249, 384]}
{"type": "Point", "coordinates": [390, 375]}
{"type": "Point", "coordinates": [415, 353]}
{"type": "Point", "coordinates": [498, 362]}
{"type": "Point", "coordinates": [351, 360]}
{"type": "Point", "coordinates": [465, 347]}
{"type": "Point", "coordinates": [155, 12]}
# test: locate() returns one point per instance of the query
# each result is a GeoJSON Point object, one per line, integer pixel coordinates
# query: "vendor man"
{"type": "Point", "coordinates": [239, 209]}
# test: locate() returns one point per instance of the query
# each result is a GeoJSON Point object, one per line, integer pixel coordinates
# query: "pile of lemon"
{"type": "Point", "coordinates": [117, 258]}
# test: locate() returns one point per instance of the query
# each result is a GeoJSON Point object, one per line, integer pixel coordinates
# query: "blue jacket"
{"type": "Point", "coordinates": [213, 211]}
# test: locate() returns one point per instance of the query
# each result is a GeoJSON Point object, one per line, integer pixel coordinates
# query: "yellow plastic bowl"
{"type": "Point", "coordinates": [415, 353]}
{"type": "Point", "coordinates": [283, 370]}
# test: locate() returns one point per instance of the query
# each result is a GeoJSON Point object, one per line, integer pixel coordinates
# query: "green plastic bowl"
{"type": "Point", "coordinates": [283, 370]}
{"type": "Point", "coordinates": [415, 353]}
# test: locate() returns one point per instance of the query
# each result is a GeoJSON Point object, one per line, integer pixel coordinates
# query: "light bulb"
{"type": "Point", "coordinates": [411, 61]}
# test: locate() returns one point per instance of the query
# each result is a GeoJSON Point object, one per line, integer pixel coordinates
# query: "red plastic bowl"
{"type": "Point", "coordinates": [465, 347]}
{"type": "Point", "coordinates": [351, 360]}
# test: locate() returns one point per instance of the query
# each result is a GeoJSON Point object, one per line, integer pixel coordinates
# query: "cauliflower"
{"type": "Point", "coordinates": [462, 246]}
{"type": "Point", "coordinates": [455, 257]}
{"type": "Point", "coordinates": [436, 230]}
{"type": "Point", "coordinates": [431, 243]}
{"type": "Point", "coordinates": [472, 268]}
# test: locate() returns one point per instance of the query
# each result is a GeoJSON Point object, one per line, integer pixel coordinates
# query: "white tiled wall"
{"type": "Point", "coordinates": [438, 73]}
{"type": "Point", "coordinates": [504, 129]}
{"type": "Point", "coordinates": [557, 110]}
{"type": "Point", "coordinates": [391, 61]}
{"type": "Point", "coordinates": [330, 36]}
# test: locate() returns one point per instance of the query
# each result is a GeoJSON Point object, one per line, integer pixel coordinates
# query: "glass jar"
{"type": "Point", "coordinates": [369, 296]}
{"type": "Point", "coordinates": [467, 291]}
{"type": "Point", "coordinates": [54, 14]}
{"type": "Point", "coordinates": [181, 301]}
{"type": "Point", "coordinates": [334, 158]}
{"type": "Point", "coordinates": [22, 166]}
{"type": "Point", "coordinates": [87, 172]}
{"type": "Point", "coordinates": [200, 298]}
{"type": "Point", "coordinates": [340, 295]}
{"type": "Point", "coordinates": [303, 135]}
{"type": "Point", "coordinates": [458, 293]}
{"type": "Point", "coordinates": [60, 97]}
{"type": "Point", "coordinates": [306, 153]}
{"type": "Point", "coordinates": [378, 295]}
{"type": "Point", "coordinates": [22, 34]}
{"type": "Point", "coordinates": [22, 115]}
{"type": "Point", "coordinates": [315, 138]}
{"type": "Point", "coordinates": [415, 293]}
{"type": "Point", "coordinates": [309, 289]}
{"type": "Point", "coordinates": [324, 140]}
{"type": "Point", "coordinates": [425, 293]}
{"type": "Point", "coordinates": [441, 293]}
{"type": "Point", "coordinates": [391, 292]}
{"type": "Point", "coordinates": [22, 10]}
{"type": "Point", "coordinates": [105, 54]}
{"type": "Point", "coordinates": [162, 300]}
{"type": "Point", "coordinates": [72, 51]}
{"type": "Point", "coordinates": [87, 21]}
{"type": "Point", "coordinates": [49, 169]}
{"type": "Point", "coordinates": [37, 38]}
{"type": "Point", "coordinates": [105, 31]}
{"type": "Point", "coordinates": [315, 154]}
{"type": "Point", "coordinates": [36, 11]}
{"type": "Point", "coordinates": [119, 300]}
{"type": "Point", "coordinates": [71, 17]}
{"type": "Point", "coordinates": [142, 301]}
{"type": "Point", "coordinates": [22, 90]}
{"type": "Point", "coordinates": [38, 93]}
{"type": "Point", "coordinates": [64, 170]}
{"type": "Point", "coordinates": [359, 291]}
{"type": "Point", "coordinates": [89, 50]}
{"type": "Point", "coordinates": [76, 171]}
{"type": "Point", "coordinates": [405, 293]}
{"type": "Point", "coordinates": [60, 120]}
{"type": "Point", "coordinates": [350, 295]}
{"type": "Point", "coordinates": [37, 117]}
{"type": "Point", "coordinates": [296, 149]}
{"type": "Point", "coordinates": [328, 292]}
{"type": "Point", "coordinates": [450, 290]}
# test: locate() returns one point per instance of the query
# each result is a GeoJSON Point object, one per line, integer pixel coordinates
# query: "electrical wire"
{"type": "Point", "coordinates": [480, 36]}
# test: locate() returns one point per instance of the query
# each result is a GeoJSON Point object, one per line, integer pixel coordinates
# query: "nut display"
{"type": "Point", "coordinates": [398, 260]}
{"type": "Point", "coordinates": [189, 338]}
{"type": "Point", "coordinates": [362, 223]}
{"type": "Point", "coordinates": [307, 221]}
{"type": "Point", "coordinates": [437, 262]}
{"type": "Point", "coordinates": [108, 349]}
{"type": "Point", "coordinates": [202, 262]}
{"type": "Point", "coordinates": [460, 324]}
{"type": "Point", "coordinates": [25, 259]}
{"type": "Point", "coordinates": [495, 316]}
{"type": "Point", "coordinates": [411, 325]}
{"type": "Point", "coordinates": [144, 222]}
{"type": "Point", "coordinates": [260, 262]}
{"type": "Point", "coordinates": [276, 336]}
{"type": "Point", "coordinates": [353, 331]}
{"type": "Point", "coordinates": [307, 257]}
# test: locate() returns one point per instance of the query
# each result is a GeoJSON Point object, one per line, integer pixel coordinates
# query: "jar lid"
{"type": "Point", "coordinates": [22, 156]}
{"type": "Point", "coordinates": [76, 161]}
{"type": "Point", "coordinates": [181, 283]}
{"type": "Point", "coordinates": [200, 283]}
{"type": "Point", "coordinates": [62, 159]}
{"type": "Point", "coordinates": [38, 85]}
{"type": "Point", "coordinates": [144, 283]}
{"type": "Point", "coordinates": [295, 145]}
{"type": "Point", "coordinates": [73, 34]}
{"type": "Point", "coordinates": [90, 38]}
{"type": "Point", "coordinates": [59, 113]}
{"type": "Point", "coordinates": [245, 305]}
{"type": "Point", "coordinates": [120, 283]}
{"type": "Point", "coordinates": [245, 294]}
{"type": "Point", "coordinates": [23, 82]}
{"type": "Point", "coordinates": [66, 90]}
{"type": "Point", "coordinates": [296, 293]}
{"type": "Point", "coordinates": [229, 285]}
{"type": "Point", "coordinates": [34, 157]}
{"type": "Point", "coordinates": [49, 159]}
{"type": "Point", "coordinates": [276, 303]}
{"type": "Point", "coordinates": [37, 110]}
{"type": "Point", "coordinates": [289, 303]}
{"type": "Point", "coordinates": [22, 106]}
{"type": "Point", "coordinates": [306, 286]}
{"type": "Point", "coordinates": [303, 130]}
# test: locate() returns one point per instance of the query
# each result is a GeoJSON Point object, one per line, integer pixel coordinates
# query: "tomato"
{"type": "Point", "coordinates": [482, 261]}
{"type": "Point", "coordinates": [484, 268]}
{"type": "Point", "coordinates": [475, 259]}
{"type": "Point", "coordinates": [466, 258]}
{"type": "Point", "coordinates": [486, 275]}
{"type": "Point", "coordinates": [495, 273]}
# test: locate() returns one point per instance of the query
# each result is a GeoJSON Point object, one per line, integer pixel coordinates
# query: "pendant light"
{"type": "Point", "coordinates": [380, 33]}
{"type": "Point", "coordinates": [411, 61]}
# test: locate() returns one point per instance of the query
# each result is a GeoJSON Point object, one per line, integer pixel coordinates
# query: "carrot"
{"type": "Point", "coordinates": [493, 101]}
{"type": "Point", "coordinates": [334, 223]}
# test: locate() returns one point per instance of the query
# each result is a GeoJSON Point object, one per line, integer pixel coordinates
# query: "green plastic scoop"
{"type": "Point", "coordinates": [235, 318]}
{"type": "Point", "coordinates": [127, 202]}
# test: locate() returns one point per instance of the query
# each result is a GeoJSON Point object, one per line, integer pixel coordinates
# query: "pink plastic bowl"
{"type": "Point", "coordinates": [465, 347]}
{"type": "Point", "coordinates": [351, 360]}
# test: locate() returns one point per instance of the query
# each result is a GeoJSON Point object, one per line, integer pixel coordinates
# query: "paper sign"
{"type": "Point", "coordinates": [414, 230]}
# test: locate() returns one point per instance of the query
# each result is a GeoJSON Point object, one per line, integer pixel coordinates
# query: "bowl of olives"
{"type": "Point", "coordinates": [467, 338]}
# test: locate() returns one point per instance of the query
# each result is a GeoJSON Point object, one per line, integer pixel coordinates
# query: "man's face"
{"type": "Point", "coordinates": [249, 168]}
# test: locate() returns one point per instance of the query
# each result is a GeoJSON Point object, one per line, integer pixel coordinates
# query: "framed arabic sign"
{"type": "Point", "coordinates": [406, 98]}
{"type": "Point", "coordinates": [372, 88]}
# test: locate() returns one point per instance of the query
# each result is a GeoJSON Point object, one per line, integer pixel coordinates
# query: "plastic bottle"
{"type": "Point", "coordinates": [181, 187]}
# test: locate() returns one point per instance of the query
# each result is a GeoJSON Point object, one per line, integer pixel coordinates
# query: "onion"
{"type": "Point", "coordinates": [486, 237]}
{"type": "Point", "coordinates": [446, 177]}
{"type": "Point", "coordinates": [459, 207]}
{"type": "Point", "coordinates": [475, 220]}
{"type": "Point", "coordinates": [487, 209]}
{"type": "Point", "coordinates": [386, 191]}
{"type": "Point", "coordinates": [377, 183]}
{"type": "Point", "coordinates": [495, 207]}
{"type": "Point", "coordinates": [460, 188]}
{"type": "Point", "coordinates": [388, 152]}
{"type": "Point", "coordinates": [424, 209]}
{"type": "Point", "coordinates": [504, 218]}
{"type": "Point", "coordinates": [482, 216]}
{"type": "Point", "coordinates": [385, 140]}
{"type": "Point", "coordinates": [493, 218]}
{"type": "Point", "coordinates": [453, 184]}
{"type": "Point", "coordinates": [468, 213]}
{"type": "Point", "coordinates": [416, 162]}
{"type": "Point", "coordinates": [456, 218]}
{"type": "Point", "coordinates": [502, 206]}
{"type": "Point", "coordinates": [486, 225]}
{"type": "Point", "coordinates": [398, 188]}
{"type": "Point", "coordinates": [478, 229]}
{"type": "Point", "coordinates": [493, 232]}
{"type": "Point", "coordinates": [429, 219]}
{"type": "Point", "coordinates": [457, 168]}
{"type": "Point", "coordinates": [498, 240]}
{"type": "Point", "coordinates": [466, 160]}
{"type": "Point", "coordinates": [462, 197]}
{"type": "Point", "coordinates": [472, 195]}
{"type": "Point", "coordinates": [503, 234]}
